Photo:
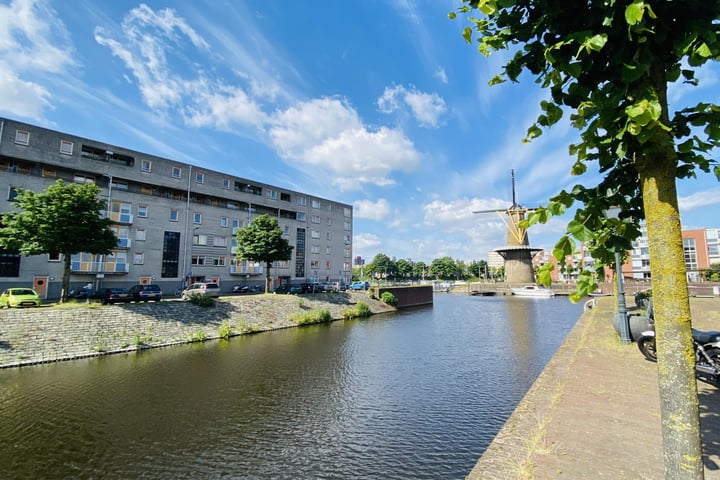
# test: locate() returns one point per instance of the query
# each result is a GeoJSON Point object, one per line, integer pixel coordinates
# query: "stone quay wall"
{"type": "Point", "coordinates": [72, 331]}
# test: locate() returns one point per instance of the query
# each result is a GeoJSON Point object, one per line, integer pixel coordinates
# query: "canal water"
{"type": "Point", "coordinates": [417, 394]}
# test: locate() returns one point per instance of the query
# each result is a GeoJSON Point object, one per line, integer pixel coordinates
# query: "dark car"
{"type": "Point", "coordinates": [112, 295]}
{"type": "Point", "coordinates": [144, 293]}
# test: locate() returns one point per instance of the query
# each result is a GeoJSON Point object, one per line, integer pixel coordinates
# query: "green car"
{"type": "Point", "coordinates": [19, 297]}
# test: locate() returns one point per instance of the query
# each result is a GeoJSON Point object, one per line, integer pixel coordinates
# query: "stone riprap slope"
{"type": "Point", "coordinates": [52, 333]}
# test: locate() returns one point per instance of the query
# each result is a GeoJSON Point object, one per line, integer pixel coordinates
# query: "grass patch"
{"type": "Point", "coordinates": [361, 310]}
{"type": "Point", "coordinates": [225, 330]}
{"type": "Point", "coordinates": [312, 316]}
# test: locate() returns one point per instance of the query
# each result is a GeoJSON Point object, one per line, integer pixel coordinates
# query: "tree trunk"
{"type": "Point", "coordinates": [66, 277]}
{"type": "Point", "coordinates": [682, 448]}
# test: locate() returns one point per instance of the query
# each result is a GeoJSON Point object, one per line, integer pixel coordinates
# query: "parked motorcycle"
{"type": "Point", "coordinates": [707, 352]}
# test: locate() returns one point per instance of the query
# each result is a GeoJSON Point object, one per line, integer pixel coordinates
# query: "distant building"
{"type": "Point", "coordinates": [175, 222]}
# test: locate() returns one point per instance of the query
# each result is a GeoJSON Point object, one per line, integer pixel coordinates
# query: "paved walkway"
{"type": "Point", "coordinates": [594, 412]}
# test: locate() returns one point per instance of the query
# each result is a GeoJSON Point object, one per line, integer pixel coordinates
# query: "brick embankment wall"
{"type": "Point", "coordinates": [52, 333]}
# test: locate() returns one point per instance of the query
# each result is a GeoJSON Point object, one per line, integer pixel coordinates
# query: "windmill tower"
{"type": "Point", "coordinates": [517, 252]}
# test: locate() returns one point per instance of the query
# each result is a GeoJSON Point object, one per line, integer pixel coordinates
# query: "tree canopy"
{"type": "Point", "coordinates": [609, 64]}
{"type": "Point", "coordinates": [262, 241]}
{"type": "Point", "coordinates": [64, 219]}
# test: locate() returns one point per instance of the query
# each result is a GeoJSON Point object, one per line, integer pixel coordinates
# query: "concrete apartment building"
{"type": "Point", "coordinates": [175, 222]}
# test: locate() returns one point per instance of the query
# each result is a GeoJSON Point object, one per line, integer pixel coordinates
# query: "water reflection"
{"type": "Point", "coordinates": [418, 394]}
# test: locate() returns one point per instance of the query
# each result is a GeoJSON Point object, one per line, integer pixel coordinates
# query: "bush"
{"type": "Point", "coordinates": [201, 300]}
{"type": "Point", "coordinates": [225, 330]}
{"type": "Point", "coordinates": [641, 299]}
{"type": "Point", "coordinates": [361, 310]}
{"type": "Point", "coordinates": [312, 316]}
{"type": "Point", "coordinates": [389, 299]}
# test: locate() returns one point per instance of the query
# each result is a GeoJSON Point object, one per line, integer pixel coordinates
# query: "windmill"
{"type": "Point", "coordinates": [517, 252]}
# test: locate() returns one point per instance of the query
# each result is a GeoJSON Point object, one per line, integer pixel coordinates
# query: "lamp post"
{"type": "Point", "coordinates": [621, 316]}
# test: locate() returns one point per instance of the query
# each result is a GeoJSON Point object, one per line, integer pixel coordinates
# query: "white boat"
{"type": "Point", "coordinates": [533, 291]}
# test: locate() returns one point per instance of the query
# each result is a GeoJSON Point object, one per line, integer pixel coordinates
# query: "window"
{"type": "Point", "coordinates": [170, 255]}
{"type": "Point", "coordinates": [199, 239]}
{"type": "Point", "coordinates": [81, 178]}
{"type": "Point", "coordinates": [22, 137]}
{"type": "Point", "coordinates": [271, 194]}
{"type": "Point", "coordinates": [328, 235]}
{"type": "Point", "coordinates": [219, 241]}
{"type": "Point", "coordinates": [301, 216]}
{"type": "Point", "coordinates": [12, 193]}
{"type": "Point", "coordinates": [346, 252]}
{"type": "Point", "coordinates": [138, 258]}
{"type": "Point", "coordinates": [66, 148]}
{"type": "Point", "coordinates": [197, 218]}
{"type": "Point", "coordinates": [286, 230]}
{"type": "Point", "coordinates": [224, 222]}
{"type": "Point", "coordinates": [233, 205]}
{"type": "Point", "coordinates": [219, 261]}
{"type": "Point", "coordinates": [198, 260]}
{"type": "Point", "coordinates": [302, 201]}
{"type": "Point", "coordinates": [145, 165]}
{"type": "Point", "coordinates": [315, 218]}
{"type": "Point", "coordinates": [119, 185]}
{"type": "Point", "coordinates": [142, 211]}
{"type": "Point", "coordinates": [347, 212]}
{"type": "Point", "coordinates": [176, 172]}
{"type": "Point", "coordinates": [140, 234]}
{"type": "Point", "coordinates": [199, 177]}
{"type": "Point", "coordinates": [174, 215]}
{"type": "Point", "coordinates": [226, 183]}
{"type": "Point", "coordinates": [316, 204]}
{"type": "Point", "coordinates": [121, 212]}
{"type": "Point", "coordinates": [346, 226]}
{"type": "Point", "coordinates": [327, 264]}
{"type": "Point", "coordinates": [285, 197]}
{"type": "Point", "coordinates": [314, 249]}
{"type": "Point", "coordinates": [329, 221]}
{"type": "Point", "coordinates": [346, 239]}
{"type": "Point", "coordinates": [314, 264]}
{"type": "Point", "coordinates": [327, 250]}
{"type": "Point", "coordinates": [329, 207]}
{"type": "Point", "coordinates": [314, 234]}
{"type": "Point", "coordinates": [53, 257]}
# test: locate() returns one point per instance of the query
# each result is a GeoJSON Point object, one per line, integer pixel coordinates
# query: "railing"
{"type": "Point", "coordinates": [246, 270]}
{"type": "Point", "coordinates": [98, 267]}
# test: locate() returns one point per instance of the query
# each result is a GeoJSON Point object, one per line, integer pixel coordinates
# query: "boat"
{"type": "Point", "coordinates": [533, 291]}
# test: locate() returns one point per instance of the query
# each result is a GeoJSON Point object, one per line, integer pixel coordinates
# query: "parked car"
{"type": "Point", "coordinates": [79, 293]}
{"type": "Point", "coordinates": [201, 288]}
{"type": "Point", "coordinates": [360, 285]}
{"type": "Point", "coordinates": [19, 297]}
{"type": "Point", "coordinates": [237, 288]}
{"type": "Point", "coordinates": [144, 293]}
{"type": "Point", "coordinates": [313, 288]}
{"type": "Point", "coordinates": [288, 288]}
{"type": "Point", "coordinates": [112, 295]}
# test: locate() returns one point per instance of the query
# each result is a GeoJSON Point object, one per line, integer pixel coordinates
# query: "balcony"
{"type": "Point", "coordinates": [246, 270]}
{"type": "Point", "coordinates": [98, 267]}
{"type": "Point", "coordinates": [124, 243]}
{"type": "Point", "coordinates": [119, 217]}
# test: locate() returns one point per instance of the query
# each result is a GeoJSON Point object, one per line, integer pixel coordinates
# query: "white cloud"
{"type": "Point", "coordinates": [378, 210]}
{"type": "Point", "coordinates": [441, 75]}
{"type": "Point", "coordinates": [427, 108]}
{"type": "Point", "coordinates": [327, 133]}
{"type": "Point", "coordinates": [365, 241]}
{"type": "Point", "coordinates": [699, 200]}
{"type": "Point", "coordinates": [32, 43]}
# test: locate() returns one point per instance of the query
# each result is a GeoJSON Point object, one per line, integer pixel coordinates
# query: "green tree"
{"type": "Point", "coordinates": [443, 268]}
{"type": "Point", "coordinates": [404, 268]}
{"type": "Point", "coordinates": [64, 219]}
{"type": "Point", "coordinates": [380, 266]}
{"type": "Point", "coordinates": [610, 63]}
{"type": "Point", "coordinates": [420, 270]}
{"type": "Point", "coordinates": [262, 241]}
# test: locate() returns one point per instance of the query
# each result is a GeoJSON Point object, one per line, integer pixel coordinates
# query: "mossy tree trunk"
{"type": "Point", "coordinates": [676, 361]}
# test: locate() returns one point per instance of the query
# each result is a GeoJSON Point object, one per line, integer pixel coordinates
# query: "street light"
{"type": "Point", "coordinates": [621, 316]}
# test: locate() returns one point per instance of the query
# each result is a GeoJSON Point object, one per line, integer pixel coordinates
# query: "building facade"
{"type": "Point", "coordinates": [175, 222]}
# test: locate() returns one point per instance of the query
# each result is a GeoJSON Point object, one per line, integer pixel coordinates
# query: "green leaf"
{"type": "Point", "coordinates": [580, 231]}
{"type": "Point", "coordinates": [634, 12]}
{"type": "Point", "coordinates": [564, 247]}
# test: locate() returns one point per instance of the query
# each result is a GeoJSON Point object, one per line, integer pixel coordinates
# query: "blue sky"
{"type": "Point", "coordinates": [379, 104]}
